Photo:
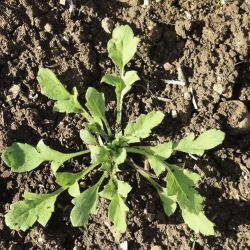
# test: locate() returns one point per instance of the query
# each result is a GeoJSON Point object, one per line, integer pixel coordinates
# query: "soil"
{"type": "Point", "coordinates": [211, 43]}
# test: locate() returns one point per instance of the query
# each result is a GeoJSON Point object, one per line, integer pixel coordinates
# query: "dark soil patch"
{"type": "Point", "coordinates": [210, 41]}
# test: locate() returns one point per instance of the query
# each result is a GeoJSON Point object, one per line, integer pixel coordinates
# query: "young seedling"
{"type": "Point", "coordinates": [108, 150]}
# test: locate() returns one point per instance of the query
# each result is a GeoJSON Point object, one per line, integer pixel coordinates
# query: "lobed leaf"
{"type": "Point", "coordinates": [142, 126]}
{"type": "Point", "coordinates": [119, 155]}
{"type": "Point", "coordinates": [156, 164]}
{"type": "Point", "coordinates": [87, 137]}
{"type": "Point", "coordinates": [117, 213]}
{"type": "Point", "coordinates": [99, 154]}
{"type": "Point", "coordinates": [122, 46]}
{"type": "Point", "coordinates": [115, 186]}
{"type": "Point", "coordinates": [198, 222]}
{"type": "Point", "coordinates": [22, 157]}
{"type": "Point", "coordinates": [207, 140]}
{"type": "Point", "coordinates": [96, 106]}
{"type": "Point", "coordinates": [53, 88]}
{"type": "Point", "coordinates": [36, 207]}
{"type": "Point", "coordinates": [113, 80]}
{"type": "Point", "coordinates": [85, 204]}
{"type": "Point", "coordinates": [168, 202]}
{"type": "Point", "coordinates": [117, 191]}
{"type": "Point", "coordinates": [180, 183]}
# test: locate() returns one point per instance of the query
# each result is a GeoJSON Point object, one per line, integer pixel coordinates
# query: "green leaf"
{"type": "Point", "coordinates": [53, 88]}
{"type": "Point", "coordinates": [66, 179]}
{"type": "Point", "coordinates": [109, 190]}
{"type": "Point", "coordinates": [119, 155]}
{"type": "Point", "coordinates": [122, 46]}
{"type": "Point", "coordinates": [85, 204]}
{"type": "Point", "coordinates": [123, 188]}
{"type": "Point", "coordinates": [156, 164]}
{"type": "Point", "coordinates": [96, 106]}
{"type": "Point", "coordinates": [74, 190]}
{"type": "Point", "coordinates": [117, 212]}
{"type": "Point", "coordinates": [130, 78]}
{"type": "Point", "coordinates": [198, 222]}
{"type": "Point", "coordinates": [143, 125]}
{"type": "Point", "coordinates": [162, 151]}
{"type": "Point", "coordinates": [113, 80]}
{"type": "Point", "coordinates": [70, 181]}
{"type": "Point", "coordinates": [115, 186]}
{"type": "Point", "coordinates": [181, 184]}
{"type": "Point", "coordinates": [168, 202]}
{"type": "Point", "coordinates": [99, 154]}
{"type": "Point", "coordinates": [116, 191]}
{"type": "Point", "coordinates": [57, 158]}
{"type": "Point", "coordinates": [122, 87]}
{"type": "Point", "coordinates": [205, 141]}
{"type": "Point", "coordinates": [22, 157]}
{"type": "Point", "coordinates": [36, 207]}
{"type": "Point", "coordinates": [87, 137]}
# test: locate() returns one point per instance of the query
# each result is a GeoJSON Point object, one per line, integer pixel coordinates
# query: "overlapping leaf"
{"type": "Point", "coordinates": [53, 88]}
{"type": "Point", "coordinates": [117, 192]}
{"type": "Point", "coordinates": [122, 87]}
{"type": "Point", "coordinates": [88, 137]}
{"type": "Point", "coordinates": [99, 154]}
{"type": "Point", "coordinates": [141, 128]}
{"type": "Point", "coordinates": [96, 106]}
{"type": "Point", "coordinates": [117, 213]}
{"type": "Point", "coordinates": [181, 184]}
{"type": "Point", "coordinates": [168, 202]}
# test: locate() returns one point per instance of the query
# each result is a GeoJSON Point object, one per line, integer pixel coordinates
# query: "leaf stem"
{"type": "Point", "coordinates": [155, 184]}
{"type": "Point", "coordinates": [104, 175]}
{"type": "Point", "coordinates": [136, 151]}
{"type": "Point", "coordinates": [86, 115]}
{"type": "Point", "coordinates": [108, 127]}
{"type": "Point", "coordinates": [87, 170]}
{"type": "Point", "coordinates": [80, 153]}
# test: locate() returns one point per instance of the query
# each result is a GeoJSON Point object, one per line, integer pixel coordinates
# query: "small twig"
{"type": "Point", "coordinates": [174, 82]}
{"type": "Point", "coordinates": [193, 98]}
{"type": "Point", "coordinates": [51, 66]}
{"type": "Point", "coordinates": [181, 76]}
{"type": "Point", "coordinates": [192, 156]}
{"type": "Point", "coordinates": [161, 98]}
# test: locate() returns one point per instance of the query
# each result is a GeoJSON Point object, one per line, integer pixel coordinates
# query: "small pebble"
{"type": "Point", "coordinates": [107, 25]}
{"type": "Point", "coordinates": [146, 3]}
{"type": "Point", "coordinates": [174, 114]}
{"type": "Point", "coordinates": [124, 245]}
{"type": "Point", "coordinates": [187, 96]}
{"type": "Point", "coordinates": [168, 66]}
{"type": "Point", "coordinates": [13, 92]}
{"type": "Point", "coordinates": [48, 27]}
{"type": "Point", "coordinates": [156, 247]}
{"type": "Point", "coordinates": [62, 2]}
{"type": "Point", "coordinates": [218, 88]}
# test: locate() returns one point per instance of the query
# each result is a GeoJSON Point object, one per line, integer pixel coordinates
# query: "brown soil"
{"type": "Point", "coordinates": [210, 41]}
